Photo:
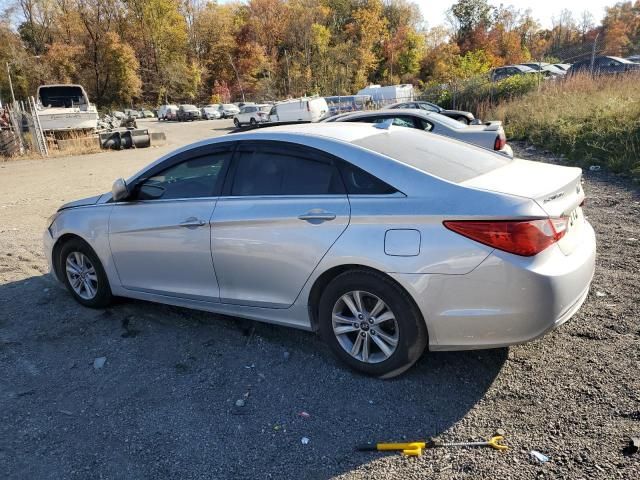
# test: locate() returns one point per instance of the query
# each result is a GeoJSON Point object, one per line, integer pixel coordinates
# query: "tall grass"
{"type": "Point", "coordinates": [589, 120]}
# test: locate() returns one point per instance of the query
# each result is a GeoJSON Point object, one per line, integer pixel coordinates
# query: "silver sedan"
{"type": "Point", "coordinates": [384, 240]}
{"type": "Point", "coordinates": [489, 135]}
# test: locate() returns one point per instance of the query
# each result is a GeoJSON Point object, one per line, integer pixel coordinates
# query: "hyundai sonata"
{"type": "Point", "coordinates": [384, 240]}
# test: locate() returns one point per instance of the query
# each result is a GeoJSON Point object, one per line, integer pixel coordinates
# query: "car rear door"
{"type": "Point", "coordinates": [283, 207]}
{"type": "Point", "coordinates": [160, 238]}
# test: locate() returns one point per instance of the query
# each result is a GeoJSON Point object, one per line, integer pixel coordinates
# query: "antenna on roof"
{"type": "Point", "coordinates": [386, 125]}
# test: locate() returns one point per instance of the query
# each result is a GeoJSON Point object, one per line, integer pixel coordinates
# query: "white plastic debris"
{"type": "Point", "coordinates": [594, 168]}
{"type": "Point", "coordinates": [240, 403]}
{"type": "Point", "coordinates": [600, 294]}
{"type": "Point", "coordinates": [304, 440]}
{"type": "Point", "coordinates": [541, 457]}
{"type": "Point", "coordinates": [99, 362]}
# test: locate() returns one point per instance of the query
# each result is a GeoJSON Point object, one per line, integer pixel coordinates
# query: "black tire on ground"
{"type": "Point", "coordinates": [252, 122]}
{"type": "Point", "coordinates": [103, 296]}
{"type": "Point", "coordinates": [412, 330]}
{"type": "Point", "coordinates": [236, 123]}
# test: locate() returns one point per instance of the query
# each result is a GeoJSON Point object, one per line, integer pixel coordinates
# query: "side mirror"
{"type": "Point", "coordinates": [119, 190]}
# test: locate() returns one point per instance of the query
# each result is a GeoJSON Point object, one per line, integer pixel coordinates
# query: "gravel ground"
{"type": "Point", "coordinates": [163, 405]}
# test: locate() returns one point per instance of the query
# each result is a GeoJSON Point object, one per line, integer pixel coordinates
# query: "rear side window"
{"type": "Point", "coordinates": [270, 170]}
{"type": "Point", "coordinates": [359, 182]}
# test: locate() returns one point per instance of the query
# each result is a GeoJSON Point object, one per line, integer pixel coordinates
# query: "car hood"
{"type": "Point", "coordinates": [81, 203]}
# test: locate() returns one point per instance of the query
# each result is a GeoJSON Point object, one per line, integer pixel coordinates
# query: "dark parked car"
{"type": "Point", "coordinates": [459, 115]}
{"type": "Point", "coordinates": [501, 73]}
{"type": "Point", "coordinates": [546, 69]}
{"type": "Point", "coordinates": [605, 66]}
{"type": "Point", "coordinates": [188, 112]}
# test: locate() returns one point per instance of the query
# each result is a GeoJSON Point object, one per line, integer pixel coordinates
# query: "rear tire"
{"type": "Point", "coordinates": [83, 274]}
{"type": "Point", "coordinates": [394, 331]}
{"type": "Point", "coordinates": [236, 123]}
{"type": "Point", "coordinates": [463, 120]}
{"type": "Point", "coordinates": [252, 122]}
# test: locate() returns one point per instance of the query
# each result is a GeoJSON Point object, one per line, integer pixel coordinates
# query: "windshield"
{"type": "Point", "coordinates": [61, 96]}
{"type": "Point", "coordinates": [448, 159]}
{"type": "Point", "coordinates": [189, 107]}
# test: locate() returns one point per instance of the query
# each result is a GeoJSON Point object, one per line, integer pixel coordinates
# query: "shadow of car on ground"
{"type": "Point", "coordinates": [164, 403]}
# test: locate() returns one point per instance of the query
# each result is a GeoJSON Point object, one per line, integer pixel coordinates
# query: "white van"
{"type": "Point", "coordinates": [300, 110]}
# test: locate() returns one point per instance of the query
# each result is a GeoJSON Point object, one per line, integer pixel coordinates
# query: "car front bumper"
{"type": "Point", "coordinates": [507, 299]}
{"type": "Point", "coordinates": [48, 243]}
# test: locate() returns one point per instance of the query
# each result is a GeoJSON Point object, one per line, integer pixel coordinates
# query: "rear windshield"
{"type": "Point", "coordinates": [62, 96]}
{"type": "Point", "coordinates": [448, 121]}
{"type": "Point", "coordinates": [450, 160]}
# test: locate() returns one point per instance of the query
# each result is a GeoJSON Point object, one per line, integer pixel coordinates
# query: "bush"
{"type": "Point", "coordinates": [589, 120]}
{"type": "Point", "coordinates": [475, 93]}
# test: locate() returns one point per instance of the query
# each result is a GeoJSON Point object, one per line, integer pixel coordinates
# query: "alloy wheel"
{"type": "Point", "coordinates": [82, 275]}
{"type": "Point", "coordinates": [365, 326]}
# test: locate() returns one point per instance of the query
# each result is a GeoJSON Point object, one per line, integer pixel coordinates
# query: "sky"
{"type": "Point", "coordinates": [433, 11]}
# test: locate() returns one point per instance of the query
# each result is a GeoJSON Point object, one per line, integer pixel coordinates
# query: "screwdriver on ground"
{"type": "Point", "coordinates": [414, 449]}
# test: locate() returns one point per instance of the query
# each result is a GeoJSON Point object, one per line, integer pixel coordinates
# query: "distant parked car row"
{"type": "Point", "coordinates": [189, 112]}
{"type": "Point", "coordinates": [601, 65]}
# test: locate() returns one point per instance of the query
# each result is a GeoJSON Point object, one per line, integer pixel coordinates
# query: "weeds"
{"type": "Point", "coordinates": [589, 120]}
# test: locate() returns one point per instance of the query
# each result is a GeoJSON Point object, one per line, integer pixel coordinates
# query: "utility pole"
{"type": "Point", "coordinates": [593, 51]}
{"type": "Point", "coordinates": [10, 83]}
{"type": "Point", "coordinates": [237, 76]}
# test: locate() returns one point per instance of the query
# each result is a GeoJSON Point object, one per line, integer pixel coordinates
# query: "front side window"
{"type": "Point", "coordinates": [266, 170]}
{"type": "Point", "coordinates": [193, 178]}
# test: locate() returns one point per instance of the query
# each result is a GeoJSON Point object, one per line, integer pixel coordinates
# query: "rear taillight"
{"type": "Point", "coordinates": [525, 238]}
{"type": "Point", "coordinates": [500, 142]}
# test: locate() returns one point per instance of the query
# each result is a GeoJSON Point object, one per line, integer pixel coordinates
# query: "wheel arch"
{"type": "Point", "coordinates": [57, 247]}
{"type": "Point", "coordinates": [327, 276]}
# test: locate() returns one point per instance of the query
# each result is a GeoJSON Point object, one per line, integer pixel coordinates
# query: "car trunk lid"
{"type": "Point", "coordinates": [556, 189]}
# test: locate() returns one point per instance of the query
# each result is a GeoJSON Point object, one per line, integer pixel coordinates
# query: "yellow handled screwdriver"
{"type": "Point", "coordinates": [414, 449]}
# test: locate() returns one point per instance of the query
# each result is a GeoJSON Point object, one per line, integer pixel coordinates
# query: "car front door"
{"type": "Point", "coordinates": [160, 238]}
{"type": "Point", "coordinates": [282, 208]}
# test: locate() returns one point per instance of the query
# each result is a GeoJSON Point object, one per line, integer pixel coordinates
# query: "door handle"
{"type": "Point", "coordinates": [193, 222]}
{"type": "Point", "coordinates": [318, 215]}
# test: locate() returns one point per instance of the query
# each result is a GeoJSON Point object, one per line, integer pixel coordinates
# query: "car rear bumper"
{"type": "Point", "coordinates": [507, 151]}
{"type": "Point", "coordinates": [507, 299]}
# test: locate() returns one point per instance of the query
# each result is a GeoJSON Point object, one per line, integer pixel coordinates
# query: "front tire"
{"type": "Point", "coordinates": [83, 274]}
{"type": "Point", "coordinates": [236, 123]}
{"type": "Point", "coordinates": [371, 323]}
